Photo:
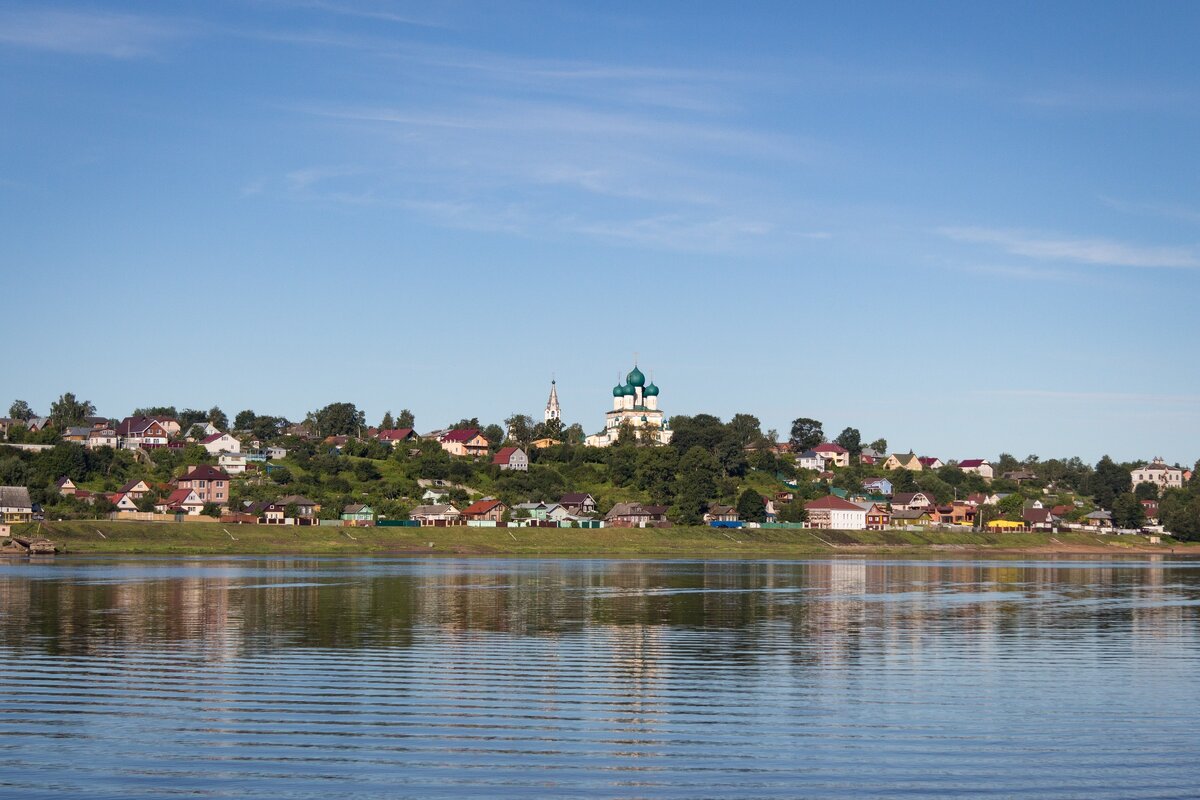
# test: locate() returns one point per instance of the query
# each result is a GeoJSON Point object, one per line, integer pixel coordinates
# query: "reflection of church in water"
{"type": "Point", "coordinates": [635, 402]}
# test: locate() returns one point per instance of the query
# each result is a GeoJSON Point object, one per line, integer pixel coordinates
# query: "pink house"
{"type": "Point", "coordinates": [464, 442]}
{"type": "Point", "coordinates": [210, 484]}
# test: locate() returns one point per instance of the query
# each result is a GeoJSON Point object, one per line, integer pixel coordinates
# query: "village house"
{"type": "Point", "coordinates": [511, 458]}
{"type": "Point", "coordinates": [122, 501]}
{"type": "Point", "coordinates": [834, 455]}
{"type": "Point", "coordinates": [1150, 510]}
{"type": "Point", "coordinates": [438, 514]}
{"type": "Point", "coordinates": [487, 510]}
{"type": "Point", "coordinates": [833, 513]}
{"type": "Point", "coordinates": [878, 516]}
{"type": "Point", "coordinates": [77, 435]}
{"type": "Point", "coordinates": [870, 456]}
{"type": "Point", "coordinates": [233, 463]}
{"type": "Point", "coordinates": [1099, 519]}
{"type": "Point", "coordinates": [276, 453]}
{"type": "Point", "coordinates": [198, 431]}
{"type": "Point", "coordinates": [221, 443]}
{"type": "Point", "coordinates": [66, 487]}
{"type": "Point", "coordinates": [1158, 473]}
{"type": "Point", "coordinates": [810, 459]}
{"type": "Point", "coordinates": [102, 437]}
{"type": "Point", "coordinates": [1018, 476]}
{"type": "Point", "coordinates": [635, 515]}
{"type": "Point", "coordinates": [210, 484]}
{"type": "Point", "coordinates": [978, 466]}
{"type": "Point", "coordinates": [37, 424]}
{"type": "Point", "coordinates": [1039, 519]}
{"type": "Point", "coordinates": [578, 503]}
{"type": "Point", "coordinates": [358, 514]}
{"type": "Point", "coordinates": [544, 442]}
{"type": "Point", "coordinates": [394, 436]}
{"type": "Point", "coordinates": [15, 505]}
{"type": "Point", "coordinates": [908, 461]}
{"type": "Point", "coordinates": [136, 489]}
{"type": "Point", "coordinates": [902, 517]}
{"type": "Point", "coordinates": [719, 513]}
{"type": "Point", "coordinates": [141, 432]}
{"type": "Point", "coordinates": [464, 442]}
{"type": "Point", "coordinates": [911, 501]}
{"type": "Point", "coordinates": [878, 485]}
{"type": "Point", "coordinates": [533, 510]}
{"type": "Point", "coordinates": [184, 501]}
{"type": "Point", "coordinates": [931, 462]}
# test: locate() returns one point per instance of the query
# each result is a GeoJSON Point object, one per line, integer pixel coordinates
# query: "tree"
{"type": "Point", "coordinates": [750, 507]}
{"type": "Point", "coordinates": [574, 434]}
{"type": "Point", "coordinates": [466, 424]}
{"type": "Point", "coordinates": [1146, 491]}
{"type": "Point", "coordinates": [850, 439]}
{"type": "Point", "coordinates": [1109, 480]}
{"type": "Point", "coordinates": [67, 411]}
{"type": "Point", "coordinates": [281, 475]}
{"type": "Point", "coordinates": [806, 434]}
{"type": "Point", "coordinates": [879, 445]}
{"type": "Point", "coordinates": [217, 418]}
{"type": "Point", "coordinates": [695, 484]}
{"type": "Point", "coordinates": [387, 423]}
{"type": "Point", "coordinates": [626, 434]}
{"type": "Point", "coordinates": [190, 416]}
{"type": "Point", "coordinates": [244, 420]}
{"type": "Point", "coordinates": [746, 430]}
{"type": "Point", "coordinates": [338, 419]}
{"type": "Point", "coordinates": [494, 434]}
{"type": "Point", "coordinates": [405, 419]}
{"type": "Point", "coordinates": [520, 429]}
{"type": "Point", "coordinates": [21, 410]}
{"type": "Point", "coordinates": [156, 412]}
{"type": "Point", "coordinates": [1127, 512]}
{"type": "Point", "coordinates": [702, 430]}
{"type": "Point", "coordinates": [793, 512]}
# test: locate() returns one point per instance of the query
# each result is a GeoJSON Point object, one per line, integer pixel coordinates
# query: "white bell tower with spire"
{"type": "Point", "coordinates": [553, 410]}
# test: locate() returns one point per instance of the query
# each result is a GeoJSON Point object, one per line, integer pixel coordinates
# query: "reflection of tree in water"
{"type": "Point", "coordinates": [718, 612]}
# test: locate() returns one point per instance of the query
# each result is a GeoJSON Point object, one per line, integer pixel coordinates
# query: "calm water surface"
{"type": "Point", "coordinates": [316, 678]}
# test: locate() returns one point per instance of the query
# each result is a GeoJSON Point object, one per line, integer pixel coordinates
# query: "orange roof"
{"type": "Point", "coordinates": [833, 502]}
{"type": "Point", "coordinates": [481, 507]}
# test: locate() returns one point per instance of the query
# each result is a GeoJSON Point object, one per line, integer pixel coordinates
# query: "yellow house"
{"type": "Point", "coordinates": [542, 444]}
{"type": "Point", "coordinates": [464, 442]}
{"type": "Point", "coordinates": [907, 461]}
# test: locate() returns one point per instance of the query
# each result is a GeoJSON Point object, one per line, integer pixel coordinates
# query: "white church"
{"type": "Point", "coordinates": [635, 402]}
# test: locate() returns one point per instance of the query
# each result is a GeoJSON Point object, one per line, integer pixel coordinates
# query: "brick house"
{"type": "Point", "coordinates": [488, 510]}
{"type": "Point", "coordinates": [210, 484]}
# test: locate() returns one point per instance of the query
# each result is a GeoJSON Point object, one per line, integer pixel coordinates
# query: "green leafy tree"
{"type": "Point", "coordinates": [1146, 491]}
{"type": "Point", "coordinates": [387, 423]}
{"type": "Point", "coordinates": [466, 424]}
{"type": "Point", "coordinates": [190, 416]}
{"type": "Point", "coordinates": [282, 476]}
{"type": "Point", "coordinates": [244, 420]}
{"type": "Point", "coordinates": [702, 430]}
{"type": "Point", "coordinates": [495, 436]}
{"type": "Point", "coordinates": [879, 445]}
{"type": "Point", "coordinates": [520, 429]}
{"type": "Point", "coordinates": [696, 485]}
{"type": "Point", "coordinates": [626, 434]}
{"type": "Point", "coordinates": [1179, 513]}
{"type": "Point", "coordinates": [1108, 481]}
{"type": "Point", "coordinates": [1127, 511]}
{"type": "Point", "coordinates": [574, 434]}
{"type": "Point", "coordinates": [67, 411]}
{"type": "Point", "coordinates": [217, 419]}
{"type": "Point", "coordinates": [156, 412]}
{"type": "Point", "coordinates": [338, 419]}
{"type": "Point", "coordinates": [806, 434]}
{"type": "Point", "coordinates": [750, 507]}
{"type": "Point", "coordinates": [21, 410]}
{"type": "Point", "coordinates": [405, 419]}
{"type": "Point", "coordinates": [793, 512]}
{"type": "Point", "coordinates": [850, 439]}
{"type": "Point", "coordinates": [746, 430]}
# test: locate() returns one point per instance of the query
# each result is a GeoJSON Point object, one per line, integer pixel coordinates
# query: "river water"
{"type": "Point", "coordinates": [354, 678]}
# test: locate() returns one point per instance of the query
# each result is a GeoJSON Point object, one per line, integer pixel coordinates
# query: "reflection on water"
{"type": "Point", "coordinates": [593, 678]}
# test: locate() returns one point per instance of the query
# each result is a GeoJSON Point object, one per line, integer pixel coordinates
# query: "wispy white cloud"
{"type": "Point", "coordinates": [1083, 251]}
{"type": "Point", "coordinates": [1165, 210]}
{"type": "Point", "coordinates": [1024, 273]}
{"type": "Point", "coordinates": [1109, 99]}
{"type": "Point", "coordinates": [679, 232]}
{"type": "Point", "coordinates": [374, 11]}
{"type": "Point", "coordinates": [120, 36]}
{"type": "Point", "coordinates": [301, 179]}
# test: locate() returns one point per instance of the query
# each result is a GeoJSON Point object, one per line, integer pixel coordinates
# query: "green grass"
{"type": "Point", "coordinates": [83, 536]}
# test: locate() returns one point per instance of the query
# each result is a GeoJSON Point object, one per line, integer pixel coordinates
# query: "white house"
{"type": "Point", "coordinates": [101, 437]}
{"type": "Point", "coordinates": [221, 443]}
{"type": "Point", "coordinates": [810, 459]}
{"type": "Point", "coordinates": [834, 454]}
{"type": "Point", "coordinates": [978, 466]}
{"type": "Point", "coordinates": [233, 463]}
{"type": "Point", "coordinates": [832, 512]}
{"type": "Point", "coordinates": [1158, 473]}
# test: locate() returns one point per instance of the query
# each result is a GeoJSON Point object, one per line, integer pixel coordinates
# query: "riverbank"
{"type": "Point", "coordinates": [91, 536]}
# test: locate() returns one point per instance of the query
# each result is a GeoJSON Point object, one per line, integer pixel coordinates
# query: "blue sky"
{"type": "Point", "coordinates": [966, 228]}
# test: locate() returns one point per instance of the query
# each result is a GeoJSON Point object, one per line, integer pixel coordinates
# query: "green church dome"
{"type": "Point", "coordinates": [618, 391]}
{"type": "Point", "coordinates": [650, 391]}
{"type": "Point", "coordinates": [636, 378]}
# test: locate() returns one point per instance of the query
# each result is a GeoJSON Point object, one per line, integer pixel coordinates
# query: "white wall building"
{"type": "Point", "coordinates": [635, 402]}
{"type": "Point", "coordinates": [1158, 473]}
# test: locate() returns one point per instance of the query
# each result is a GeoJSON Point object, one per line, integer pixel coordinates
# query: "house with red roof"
{"type": "Point", "coordinates": [833, 513]}
{"type": "Point", "coordinates": [978, 466]}
{"type": "Point", "coordinates": [136, 489]}
{"type": "Point", "coordinates": [396, 435]}
{"type": "Point", "coordinates": [210, 484]}
{"type": "Point", "coordinates": [464, 442]}
{"type": "Point", "coordinates": [487, 510]}
{"type": "Point", "coordinates": [180, 501]}
{"type": "Point", "coordinates": [930, 462]}
{"type": "Point", "coordinates": [123, 502]}
{"type": "Point", "coordinates": [834, 455]}
{"type": "Point", "coordinates": [513, 458]}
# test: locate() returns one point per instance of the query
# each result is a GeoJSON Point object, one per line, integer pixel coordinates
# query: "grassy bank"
{"type": "Point", "coordinates": [212, 538]}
